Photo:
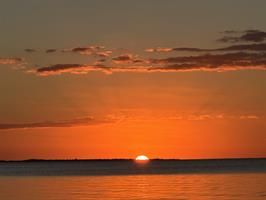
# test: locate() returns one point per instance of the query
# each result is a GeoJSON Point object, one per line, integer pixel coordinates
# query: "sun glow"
{"type": "Point", "coordinates": [141, 158]}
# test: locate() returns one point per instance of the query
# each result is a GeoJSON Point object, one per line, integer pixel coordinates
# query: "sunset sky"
{"type": "Point", "coordinates": [119, 78]}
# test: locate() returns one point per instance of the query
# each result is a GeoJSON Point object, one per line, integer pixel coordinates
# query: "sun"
{"type": "Point", "coordinates": [142, 158]}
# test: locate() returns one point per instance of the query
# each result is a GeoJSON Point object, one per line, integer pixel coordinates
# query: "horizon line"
{"type": "Point", "coordinates": [132, 159]}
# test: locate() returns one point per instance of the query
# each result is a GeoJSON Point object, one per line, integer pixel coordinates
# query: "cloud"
{"type": "Point", "coordinates": [249, 117]}
{"type": "Point", "coordinates": [55, 124]}
{"type": "Point", "coordinates": [67, 68]}
{"type": "Point", "coordinates": [218, 117]}
{"type": "Point", "coordinates": [30, 50]}
{"type": "Point", "coordinates": [256, 36]}
{"type": "Point", "coordinates": [216, 59]}
{"type": "Point", "coordinates": [243, 47]}
{"type": "Point", "coordinates": [129, 59]}
{"type": "Point", "coordinates": [95, 50]}
{"type": "Point", "coordinates": [249, 56]}
{"type": "Point", "coordinates": [214, 62]}
{"type": "Point", "coordinates": [50, 50]}
{"type": "Point", "coordinates": [10, 61]}
{"type": "Point", "coordinates": [104, 54]}
{"type": "Point", "coordinates": [114, 118]}
{"type": "Point", "coordinates": [87, 50]}
{"type": "Point", "coordinates": [123, 59]}
{"type": "Point", "coordinates": [159, 49]}
{"type": "Point", "coordinates": [207, 62]}
{"type": "Point", "coordinates": [247, 36]}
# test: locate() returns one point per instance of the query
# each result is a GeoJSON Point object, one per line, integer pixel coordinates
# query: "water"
{"type": "Point", "coordinates": [76, 180]}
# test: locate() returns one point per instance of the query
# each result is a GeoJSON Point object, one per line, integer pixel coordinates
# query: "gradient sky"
{"type": "Point", "coordinates": [119, 78]}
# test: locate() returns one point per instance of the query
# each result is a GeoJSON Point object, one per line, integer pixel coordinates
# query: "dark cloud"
{"type": "Point", "coordinates": [215, 59]}
{"type": "Point", "coordinates": [68, 68]}
{"type": "Point", "coordinates": [216, 62]}
{"type": "Point", "coordinates": [246, 36]}
{"type": "Point", "coordinates": [30, 50]}
{"type": "Point", "coordinates": [83, 50]}
{"type": "Point", "coordinates": [50, 50]}
{"type": "Point", "coordinates": [53, 124]}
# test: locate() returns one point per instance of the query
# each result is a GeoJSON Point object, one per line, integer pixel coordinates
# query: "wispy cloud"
{"type": "Point", "coordinates": [86, 121]}
{"type": "Point", "coordinates": [221, 116]}
{"type": "Point", "coordinates": [114, 118]}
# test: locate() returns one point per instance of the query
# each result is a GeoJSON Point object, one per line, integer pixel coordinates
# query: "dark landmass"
{"type": "Point", "coordinates": [127, 159]}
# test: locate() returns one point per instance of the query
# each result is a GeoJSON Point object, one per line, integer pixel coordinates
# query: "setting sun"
{"type": "Point", "coordinates": [142, 158]}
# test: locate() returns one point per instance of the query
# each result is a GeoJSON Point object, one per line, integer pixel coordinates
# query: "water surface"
{"type": "Point", "coordinates": [112, 180]}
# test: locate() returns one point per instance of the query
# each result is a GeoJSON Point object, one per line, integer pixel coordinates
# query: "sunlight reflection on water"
{"type": "Point", "coordinates": [190, 186]}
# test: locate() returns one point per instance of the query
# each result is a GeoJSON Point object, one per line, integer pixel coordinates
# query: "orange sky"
{"type": "Point", "coordinates": [115, 79]}
{"type": "Point", "coordinates": [155, 138]}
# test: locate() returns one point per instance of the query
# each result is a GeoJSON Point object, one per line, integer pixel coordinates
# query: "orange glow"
{"type": "Point", "coordinates": [162, 138]}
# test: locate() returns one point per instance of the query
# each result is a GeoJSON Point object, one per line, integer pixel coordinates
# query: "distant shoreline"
{"type": "Point", "coordinates": [127, 159]}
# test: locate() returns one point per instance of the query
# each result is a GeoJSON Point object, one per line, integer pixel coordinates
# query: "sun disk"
{"type": "Point", "coordinates": [141, 158]}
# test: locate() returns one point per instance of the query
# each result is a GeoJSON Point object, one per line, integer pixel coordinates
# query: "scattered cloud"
{"type": "Point", "coordinates": [55, 124]}
{"type": "Point", "coordinates": [249, 56]}
{"type": "Point", "coordinates": [255, 36]}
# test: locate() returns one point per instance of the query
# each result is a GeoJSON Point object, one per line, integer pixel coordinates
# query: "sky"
{"type": "Point", "coordinates": [119, 78]}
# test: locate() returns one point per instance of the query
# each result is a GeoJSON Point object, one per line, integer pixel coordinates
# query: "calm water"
{"type": "Point", "coordinates": [156, 180]}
